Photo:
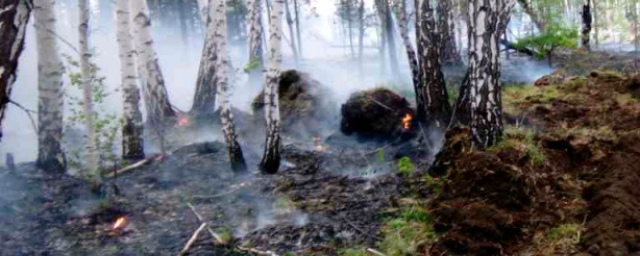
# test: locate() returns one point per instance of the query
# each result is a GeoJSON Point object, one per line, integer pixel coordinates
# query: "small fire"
{"type": "Point", "coordinates": [406, 121]}
{"type": "Point", "coordinates": [183, 121]}
{"type": "Point", "coordinates": [120, 223]}
{"type": "Point", "coordinates": [317, 142]}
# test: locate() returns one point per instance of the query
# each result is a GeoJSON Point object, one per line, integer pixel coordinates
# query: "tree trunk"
{"type": "Point", "coordinates": [450, 54]}
{"type": "Point", "coordinates": [391, 41]}
{"type": "Point", "coordinates": [87, 88]}
{"type": "Point", "coordinates": [586, 24]}
{"type": "Point", "coordinates": [292, 37]}
{"type": "Point", "coordinates": [256, 60]}
{"type": "Point", "coordinates": [404, 34]}
{"type": "Point", "coordinates": [50, 70]}
{"type": "Point", "coordinates": [488, 20]}
{"type": "Point", "coordinates": [596, 24]}
{"type": "Point", "coordinates": [296, 9]}
{"type": "Point", "coordinates": [132, 143]}
{"type": "Point", "coordinates": [14, 16]}
{"type": "Point", "coordinates": [222, 65]}
{"type": "Point", "coordinates": [360, 38]}
{"type": "Point", "coordinates": [434, 109]}
{"type": "Point", "coordinates": [271, 159]}
{"type": "Point", "coordinates": [204, 101]}
{"type": "Point", "coordinates": [526, 6]}
{"type": "Point", "coordinates": [159, 110]}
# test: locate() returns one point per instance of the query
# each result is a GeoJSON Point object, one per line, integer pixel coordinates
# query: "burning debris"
{"type": "Point", "coordinates": [377, 113]}
{"type": "Point", "coordinates": [120, 223]}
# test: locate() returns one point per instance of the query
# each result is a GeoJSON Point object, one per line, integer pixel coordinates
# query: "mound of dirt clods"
{"type": "Point", "coordinates": [375, 114]}
{"type": "Point", "coordinates": [561, 182]}
{"type": "Point", "coordinates": [305, 104]}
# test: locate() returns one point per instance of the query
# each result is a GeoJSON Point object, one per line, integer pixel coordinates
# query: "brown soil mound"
{"type": "Point", "coordinates": [576, 171]}
{"type": "Point", "coordinates": [305, 104]}
{"type": "Point", "coordinates": [375, 113]}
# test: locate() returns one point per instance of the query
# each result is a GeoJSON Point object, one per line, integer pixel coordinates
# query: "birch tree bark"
{"type": "Point", "coordinates": [256, 60]}
{"type": "Point", "coordinates": [296, 9]}
{"type": "Point", "coordinates": [431, 94]}
{"type": "Point", "coordinates": [132, 142]}
{"type": "Point", "coordinates": [271, 158]}
{"type": "Point", "coordinates": [87, 88]}
{"type": "Point", "coordinates": [488, 20]}
{"type": "Point", "coordinates": [14, 16]}
{"type": "Point", "coordinates": [50, 95]}
{"type": "Point", "coordinates": [204, 101]}
{"type": "Point", "coordinates": [404, 34]}
{"type": "Point", "coordinates": [384, 12]}
{"type": "Point", "coordinates": [222, 65]}
{"type": "Point", "coordinates": [159, 110]}
{"type": "Point", "coordinates": [449, 52]}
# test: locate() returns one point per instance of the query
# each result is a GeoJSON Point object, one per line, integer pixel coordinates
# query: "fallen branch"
{"type": "Point", "coordinates": [28, 111]}
{"type": "Point", "coordinates": [216, 237]}
{"type": "Point", "coordinates": [375, 252]}
{"type": "Point", "coordinates": [192, 240]}
{"type": "Point", "coordinates": [133, 166]}
{"type": "Point", "coordinates": [380, 104]}
{"type": "Point", "coordinates": [258, 252]}
{"type": "Point", "coordinates": [205, 198]}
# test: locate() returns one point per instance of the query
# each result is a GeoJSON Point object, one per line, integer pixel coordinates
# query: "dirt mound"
{"type": "Point", "coordinates": [555, 78]}
{"type": "Point", "coordinates": [377, 113]}
{"type": "Point", "coordinates": [305, 104]}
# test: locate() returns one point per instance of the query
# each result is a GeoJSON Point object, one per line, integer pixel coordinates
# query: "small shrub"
{"type": "Point", "coordinates": [405, 165]}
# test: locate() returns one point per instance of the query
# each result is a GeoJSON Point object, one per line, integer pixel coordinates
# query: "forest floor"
{"type": "Point", "coordinates": [563, 181]}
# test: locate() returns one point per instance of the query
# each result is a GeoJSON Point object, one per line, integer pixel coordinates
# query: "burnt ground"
{"type": "Point", "coordinates": [325, 197]}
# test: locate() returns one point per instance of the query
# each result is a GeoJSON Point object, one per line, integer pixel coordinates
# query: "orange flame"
{"type": "Point", "coordinates": [183, 121]}
{"type": "Point", "coordinates": [120, 223]}
{"type": "Point", "coordinates": [406, 121]}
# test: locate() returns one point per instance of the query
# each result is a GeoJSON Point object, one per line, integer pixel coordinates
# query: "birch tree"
{"type": "Point", "coordinates": [292, 38]}
{"type": "Point", "coordinates": [132, 142]}
{"type": "Point", "coordinates": [87, 88]}
{"type": "Point", "coordinates": [256, 60]}
{"type": "Point", "coordinates": [404, 34]}
{"type": "Point", "coordinates": [204, 100]}
{"type": "Point", "coordinates": [14, 16]}
{"type": "Point", "coordinates": [159, 110]}
{"type": "Point", "coordinates": [488, 20]}
{"type": "Point", "coordinates": [432, 103]}
{"type": "Point", "coordinates": [222, 65]}
{"type": "Point", "coordinates": [271, 158]}
{"type": "Point", "coordinates": [50, 95]}
{"type": "Point", "coordinates": [449, 52]}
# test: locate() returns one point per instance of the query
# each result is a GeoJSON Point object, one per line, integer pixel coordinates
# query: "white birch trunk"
{"type": "Point", "coordinates": [14, 16]}
{"type": "Point", "coordinates": [487, 22]}
{"type": "Point", "coordinates": [204, 100]}
{"type": "Point", "coordinates": [256, 60]}
{"type": "Point", "coordinates": [222, 65]}
{"type": "Point", "coordinates": [404, 34]}
{"type": "Point", "coordinates": [159, 110]}
{"type": "Point", "coordinates": [271, 158]}
{"type": "Point", "coordinates": [132, 142]}
{"type": "Point", "coordinates": [50, 70]}
{"type": "Point", "coordinates": [87, 88]}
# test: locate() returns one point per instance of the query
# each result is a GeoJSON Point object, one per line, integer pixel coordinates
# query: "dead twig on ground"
{"type": "Point", "coordinates": [375, 252]}
{"type": "Point", "coordinates": [133, 166]}
{"type": "Point", "coordinates": [217, 239]}
{"type": "Point", "coordinates": [192, 240]}
{"type": "Point", "coordinates": [258, 252]}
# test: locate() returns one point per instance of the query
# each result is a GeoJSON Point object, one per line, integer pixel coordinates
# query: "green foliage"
{"type": "Point", "coordinates": [555, 36]}
{"type": "Point", "coordinates": [105, 125]}
{"type": "Point", "coordinates": [380, 155]}
{"type": "Point", "coordinates": [405, 165]}
{"type": "Point", "coordinates": [253, 64]}
{"type": "Point", "coordinates": [436, 185]}
{"type": "Point", "coordinates": [353, 252]}
{"type": "Point", "coordinates": [403, 235]}
{"type": "Point", "coordinates": [564, 231]}
{"type": "Point", "coordinates": [521, 139]}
